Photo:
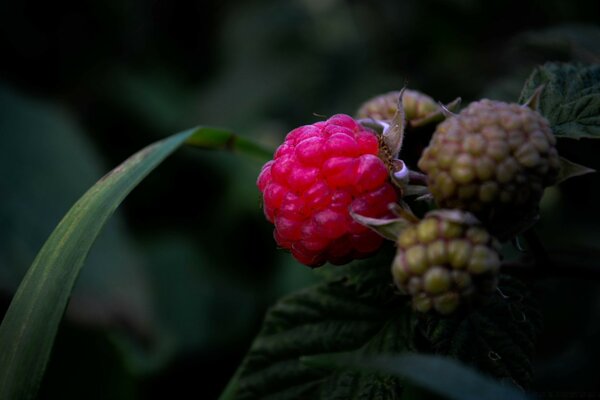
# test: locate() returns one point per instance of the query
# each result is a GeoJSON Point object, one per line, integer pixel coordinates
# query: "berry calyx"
{"type": "Point", "coordinates": [445, 259]}
{"type": "Point", "coordinates": [494, 159]}
{"type": "Point", "coordinates": [319, 173]}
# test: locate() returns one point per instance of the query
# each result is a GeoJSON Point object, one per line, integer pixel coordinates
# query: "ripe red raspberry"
{"type": "Point", "coordinates": [318, 174]}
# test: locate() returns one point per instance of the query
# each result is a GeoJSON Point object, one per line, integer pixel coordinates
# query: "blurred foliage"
{"type": "Point", "coordinates": [177, 286]}
{"type": "Point", "coordinates": [56, 164]}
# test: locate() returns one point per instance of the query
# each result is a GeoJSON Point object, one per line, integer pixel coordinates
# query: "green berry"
{"type": "Point", "coordinates": [494, 160]}
{"type": "Point", "coordinates": [444, 259]}
{"type": "Point", "coordinates": [416, 105]}
{"type": "Point", "coordinates": [446, 303]}
{"type": "Point", "coordinates": [437, 280]}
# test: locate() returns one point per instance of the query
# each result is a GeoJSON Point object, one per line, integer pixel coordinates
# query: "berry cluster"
{"type": "Point", "coordinates": [442, 260]}
{"type": "Point", "coordinates": [320, 173]}
{"type": "Point", "coordinates": [485, 167]}
{"type": "Point", "coordinates": [493, 159]}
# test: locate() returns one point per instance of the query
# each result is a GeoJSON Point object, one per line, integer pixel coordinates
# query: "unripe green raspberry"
{"type": "Point", "coordinates": [493, 159]}
{"type": "Point", "coordinates": [383, 107]}
{"type": "Point", "coordinates": [444, 259]}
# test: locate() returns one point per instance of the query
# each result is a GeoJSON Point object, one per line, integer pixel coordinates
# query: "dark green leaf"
{"type": "Point", "coordinates": [221, 139]}
{"type": "Point", "coordinates": [357, 311]}
{"type": "Point", "coordinates": [570, 100]}
{"type": "Point", "coordinates": [30, 324]}
{"type": "Point", "coordinates": [497, 338]}
{"type": "Point", "coordinates": [440, 375]}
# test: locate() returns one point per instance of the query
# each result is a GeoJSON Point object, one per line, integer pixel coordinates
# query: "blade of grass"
{"type": "Point", "coordinates": [31, 322]}
{"type": "Point", "coordinates": [216, 139]}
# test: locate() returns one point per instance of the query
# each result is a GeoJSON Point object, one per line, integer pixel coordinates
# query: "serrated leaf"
{"type": "Point", "coordinates": [570, 100]}
{"type": "Point", "coordinates": [29, 327]}
{"type": "Point", "coordinates": [388, 228]}
{"type": "Point", "coordinates": [497, 338]}
{"type": "Point", "coordinates": [569, 169]}
{"type": "Point", "coordinates": [357, 310]}
{"type": "Point", "coordinates": [440, 375]}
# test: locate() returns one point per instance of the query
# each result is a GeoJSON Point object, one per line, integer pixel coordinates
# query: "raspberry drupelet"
{"type": "Point", "coordinates": [320, 173]}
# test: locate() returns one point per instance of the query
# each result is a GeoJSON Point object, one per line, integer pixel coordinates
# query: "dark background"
{"type": "Point", "coordinates": [176, 287]}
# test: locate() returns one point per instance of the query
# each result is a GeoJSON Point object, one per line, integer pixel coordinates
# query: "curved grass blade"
{"type": "Point", "coordinates": [29, 327]}
{"type": "Point", "coordinates": [440, 375]}
{"type": "Point", "coordinates": [218, 139]}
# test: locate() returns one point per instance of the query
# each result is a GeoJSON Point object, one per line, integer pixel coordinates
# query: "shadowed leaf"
{"type": "Point", "coordinates": [570, 100]}
{"type": "Point", "coordinates": [441, 375]}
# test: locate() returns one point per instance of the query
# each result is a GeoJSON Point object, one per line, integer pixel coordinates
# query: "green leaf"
{"type": "Point", "coordinates": [355, 310]}
{"type": "Point", "coordinates": [221, 139]}
{"type": "Point", "coordinates": [358, 311]}
{"type": "Point", "coordinates": [30, 324]}
{"type": "Point", "coordinates": [570, 100]}
{"type": "Point", "coordinates": [440, 375]}
{"type": "Point", "coordinates": [497, 338]}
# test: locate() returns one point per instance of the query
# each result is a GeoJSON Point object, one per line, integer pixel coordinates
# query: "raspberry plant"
{"type": "Point", "coordinates": [445, 287]}
{"type": "Point", "coordinates": [481, 178]}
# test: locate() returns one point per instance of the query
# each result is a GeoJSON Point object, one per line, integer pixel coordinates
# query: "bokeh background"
{"type": "Point", "coordinates": [176, 287]}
